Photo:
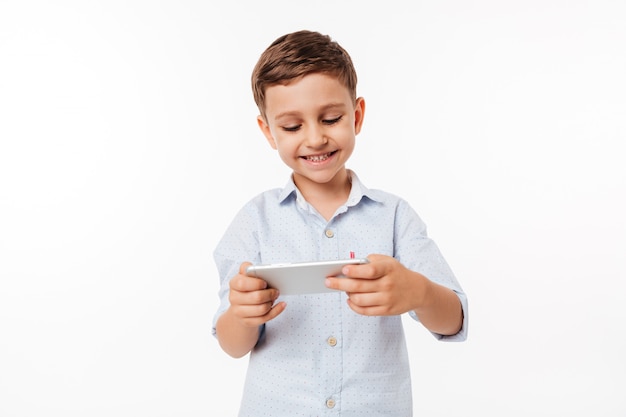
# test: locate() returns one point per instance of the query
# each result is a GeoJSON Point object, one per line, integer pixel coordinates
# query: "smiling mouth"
{"type": "Point", "coordinates": [319, 158]}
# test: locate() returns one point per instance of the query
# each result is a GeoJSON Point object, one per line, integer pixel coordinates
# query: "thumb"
{"type": "Point", "coordinates": [243, 267]}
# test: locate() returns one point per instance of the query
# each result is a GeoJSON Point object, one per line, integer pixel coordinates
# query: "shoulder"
{"type": "Point", "coordinates": [387, 199]}
{"type": "Point", "coordinates": [269, 199]}
{"type": "Point", "coordinates": [395, 206]}
{"type": "Point", "coordinates": [260, 203]}
{"type": "Point", "coordinates": [249, 220]}
{"type": "Point", "coordinates": [384, 196]}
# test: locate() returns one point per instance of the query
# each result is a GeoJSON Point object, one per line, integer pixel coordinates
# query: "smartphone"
{"type": "Point", "coordinates": [301, 277]}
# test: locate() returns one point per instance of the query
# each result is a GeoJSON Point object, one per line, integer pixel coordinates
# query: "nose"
{"type": "Point", "coordinates": [315, 137]}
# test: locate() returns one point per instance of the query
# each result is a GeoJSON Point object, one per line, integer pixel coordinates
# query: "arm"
{"type": "Point", "coordinates": [251, 305]}
{"type": "Point", "coordinates": [385, 287]}
{"type": "Point", "coordinates": [235, 339]}
{"type": "Point", "coordinates": [440, 309]}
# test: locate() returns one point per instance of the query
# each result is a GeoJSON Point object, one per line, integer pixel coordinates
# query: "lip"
{"type": "Point", "coordinates": [319, 158]}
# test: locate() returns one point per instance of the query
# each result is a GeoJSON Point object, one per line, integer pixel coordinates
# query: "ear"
{"type": "Point", "coordinates": [359, 114]}
{"type": "Point", "coordinates": [265, 128]}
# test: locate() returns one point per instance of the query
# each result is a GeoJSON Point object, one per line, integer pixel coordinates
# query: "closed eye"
{"type": "Point", "coordinates": [291, 128]}
{"type": "Point", "coordinates": [331, 121]}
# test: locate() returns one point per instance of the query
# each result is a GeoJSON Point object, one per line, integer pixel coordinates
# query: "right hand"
{"type": "Point", "coordinates": [251, 301]}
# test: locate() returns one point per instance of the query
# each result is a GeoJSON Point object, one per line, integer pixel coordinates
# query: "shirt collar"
{"type": "Point", "coordinates": [357, 191]}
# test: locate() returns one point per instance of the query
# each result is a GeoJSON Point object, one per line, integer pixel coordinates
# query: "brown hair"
{"type": "Point", "coordinates": [297, 54]}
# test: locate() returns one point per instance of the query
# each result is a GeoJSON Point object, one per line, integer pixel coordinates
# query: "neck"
{"type": "Point", "coordinates": [325, 197]}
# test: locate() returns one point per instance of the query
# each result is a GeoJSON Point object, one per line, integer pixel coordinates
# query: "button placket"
{"type": "Point", "coordinates": [332, 353]}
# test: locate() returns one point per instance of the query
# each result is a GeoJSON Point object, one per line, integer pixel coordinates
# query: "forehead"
{"type": "Point", "coordinates": [310, 93]}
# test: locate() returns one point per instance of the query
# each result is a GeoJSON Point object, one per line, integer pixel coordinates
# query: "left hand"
{"type": "Point", "coordinates": [382, 287]}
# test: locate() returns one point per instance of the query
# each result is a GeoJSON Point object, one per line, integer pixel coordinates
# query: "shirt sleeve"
{"type": "Point", "coordinates": [238, 244]}
{"type": "Point", "coordinates": [416, 251]}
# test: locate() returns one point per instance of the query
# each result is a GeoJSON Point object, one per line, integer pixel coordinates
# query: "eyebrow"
{"type": "Point", "coordinates": [324, 108]}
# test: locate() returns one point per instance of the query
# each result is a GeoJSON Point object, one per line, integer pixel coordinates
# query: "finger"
{"type": "Point", "coordinates": [374, 310]}
{"type": "Point", "coordinates": [351, 285]}
{"type": "Point", "coordinates": [253, 298]}
{"type": "Point", "coordinates": [276, 310]}
{"type": "Point", "coordinates": [372, 304]}
{"type": "Point", "coordinates": [272, 313]}
{"type": "Point", "coordinates": [365, 299]}
{"type": "Point", "coordinates": [245, 283]}
{"type": "Point", "coordinates": [249, 311]}
{"type": "Point", "coordinates": [371, 270]}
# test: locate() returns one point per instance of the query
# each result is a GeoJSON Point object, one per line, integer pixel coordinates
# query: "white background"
{"type": "Point", "coordinates": [128, 142]}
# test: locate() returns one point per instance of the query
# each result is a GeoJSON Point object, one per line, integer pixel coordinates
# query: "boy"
{"type": "Point", "coordinates": [341, 353]}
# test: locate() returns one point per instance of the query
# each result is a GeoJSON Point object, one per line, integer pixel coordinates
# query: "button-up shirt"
{"type": "Point", "coordinates": [318, 357]}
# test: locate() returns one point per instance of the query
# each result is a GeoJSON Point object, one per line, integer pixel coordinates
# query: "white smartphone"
{"type": "Point", "coordinates": [301, 277]}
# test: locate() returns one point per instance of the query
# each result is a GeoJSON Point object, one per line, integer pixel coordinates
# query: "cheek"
{"type": "Point", "coordinates": [288, 158]}
{"type": "Point", "coordinates": [283, 148]}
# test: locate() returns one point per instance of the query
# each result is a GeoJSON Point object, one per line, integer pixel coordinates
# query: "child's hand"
{"type": "Point", "coordinates": [251, 302]}
{"type": "Point", "coordinates": [382, 287]}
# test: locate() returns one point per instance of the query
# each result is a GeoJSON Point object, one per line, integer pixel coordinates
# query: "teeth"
{"type": "Point", "coordinates": [318, 158]}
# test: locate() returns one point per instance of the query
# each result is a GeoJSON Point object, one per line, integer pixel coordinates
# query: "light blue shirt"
{"type": "Point", "coordinates": [320, 358]}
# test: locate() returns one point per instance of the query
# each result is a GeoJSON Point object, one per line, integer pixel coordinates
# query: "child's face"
{"type": "Point", "coordinates": [312, 123]}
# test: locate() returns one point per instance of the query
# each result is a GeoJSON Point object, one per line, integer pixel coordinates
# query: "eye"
{"type": "Point", "coordinates": [331, 121]}
{"type": "Point", "coordinates": [291, 128]}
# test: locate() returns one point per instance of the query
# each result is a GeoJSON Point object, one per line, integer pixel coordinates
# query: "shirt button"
{"type": "Point", "coordinates": [329, 233]}
{"type": "Point", "coordinates": [330, 403]}
{"type": "Point", "coordinates": [332, 341]}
